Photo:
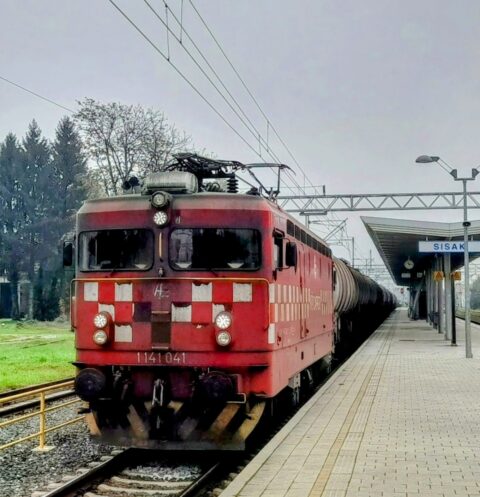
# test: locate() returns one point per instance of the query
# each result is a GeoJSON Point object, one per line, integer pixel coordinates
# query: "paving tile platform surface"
{"type": "Point", "coordinates": [400, 418]}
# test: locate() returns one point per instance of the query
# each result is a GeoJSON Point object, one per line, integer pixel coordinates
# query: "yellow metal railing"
{"type": "Point", "coordinates": [41, 394]}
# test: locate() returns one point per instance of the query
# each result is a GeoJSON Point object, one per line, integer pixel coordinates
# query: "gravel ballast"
{"type": "Point", "coordinates": [22, 471]}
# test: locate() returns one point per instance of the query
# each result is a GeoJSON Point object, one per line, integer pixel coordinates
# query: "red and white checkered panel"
{"type": "Point", "coordinates": [131, 303]}
{"type": "Point", "coordinates": [197, 302]}
{"type": "Point", "coordinates": [291, 304]}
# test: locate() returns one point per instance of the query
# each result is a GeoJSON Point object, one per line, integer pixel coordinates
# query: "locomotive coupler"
{"type": "Point", "coordinates": [161, 415]}
{"type": "Point", "coordinates": [158, 397]}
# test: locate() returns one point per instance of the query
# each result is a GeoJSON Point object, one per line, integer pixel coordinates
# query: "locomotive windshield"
{"type": "Point", "coordinates": [215, 248]}
{"type": "Point", "coordinates": [116, 249]}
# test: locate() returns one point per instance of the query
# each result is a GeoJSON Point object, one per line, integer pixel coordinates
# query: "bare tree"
{"type": "Point", "coordinates": [125, 140]}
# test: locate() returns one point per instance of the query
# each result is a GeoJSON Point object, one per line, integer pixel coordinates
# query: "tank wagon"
{"type": "Point", "coordinates": [195, 307]}
{"type": "Point", "coordinates": [360, 306]}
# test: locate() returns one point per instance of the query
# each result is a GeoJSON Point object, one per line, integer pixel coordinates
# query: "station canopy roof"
{"type": "Point", "coordinates": [397, 241]}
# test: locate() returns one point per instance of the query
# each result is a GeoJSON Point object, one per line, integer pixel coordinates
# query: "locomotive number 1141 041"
{"type": "Point", "coordinates": [170, 358]}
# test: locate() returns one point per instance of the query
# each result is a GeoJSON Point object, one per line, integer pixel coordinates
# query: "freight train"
{"type": "Point", "coordinates": [197, 309]}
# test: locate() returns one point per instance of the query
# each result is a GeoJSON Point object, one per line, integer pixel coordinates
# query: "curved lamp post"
{"type": "Point", "coordinates": [427, 159]}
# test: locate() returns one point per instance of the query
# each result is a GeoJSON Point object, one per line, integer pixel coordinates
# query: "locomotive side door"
{"type": "Point", "coordinates": [302, 260]}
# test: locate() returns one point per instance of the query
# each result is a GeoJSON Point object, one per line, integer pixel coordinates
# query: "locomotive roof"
{"type": "Point", "coordinates": [200, 200]}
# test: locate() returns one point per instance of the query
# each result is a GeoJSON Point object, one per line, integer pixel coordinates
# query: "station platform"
{"type": "Point", "coordinates": [400, 418]}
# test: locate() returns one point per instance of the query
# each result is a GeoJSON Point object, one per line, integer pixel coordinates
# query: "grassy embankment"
{"type": "Point", "coordinates": [474, 315]}
{"type": "Point", "coordinates": [33, 352]}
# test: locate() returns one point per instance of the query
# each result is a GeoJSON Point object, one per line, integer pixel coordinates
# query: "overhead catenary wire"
{"type": "Point", "coordinates": [180, 73]}
{"type": "Point", "coordinates": [183, 76]}
{"type": "Point", "coordinates": [252, 96]}
{"type": "Point", "coordinates": [46, 99]}
{"type": "Point", "coordinates": [242, 81]}
{"type": "Point", "coordinates": [244, 119]}
{"type": "Point", "coordinates": [255, 133]}
{"type": "Point", "coordinates": [192, 85]}
{"type": "Point", "coordinates": [250, 126]}
{"type": "Point", "coordinates": [253, 130]}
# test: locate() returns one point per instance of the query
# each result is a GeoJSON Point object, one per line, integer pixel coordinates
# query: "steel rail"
{"type": "Point", "coordinates": [12, 397]}
{"type": "Point", "coordinates": [28, 389]}
{"type": "Point", "coordinates": [33, 414]}
{"type": "Point", "coordinates": [85, 479]}
{"type": "Point", "coordinates": [35, 391]}
{"type": "Point", "coordinates": [108, 468]}
{"type": "Point", "coordinates": [200, 482]}
{"type": "Point", "coordinates": [40, 433]}
{"type": "Point", "coordinates": [30, 404]}
{"type": "Point", "coordinates": [41, 413]}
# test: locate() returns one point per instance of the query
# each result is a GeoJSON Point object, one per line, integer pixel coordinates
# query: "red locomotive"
{"type": "Point", "coordinates": [196, 306]}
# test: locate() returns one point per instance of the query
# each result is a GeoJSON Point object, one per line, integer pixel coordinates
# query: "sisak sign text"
{"type": "Point", "coordinates": [442, 246]}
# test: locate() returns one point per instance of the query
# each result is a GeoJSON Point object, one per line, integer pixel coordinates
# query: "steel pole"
{"type": "Point", "coordinates": [448, 295]}
{"type": "Point", "coordinates": [353, 251]}
{"type": "Point", "coordinates": [454, 317]}
{"type": "Point", "coordinates": [468, 336]}
{"type": "Point", "coordinates": [440, 297]}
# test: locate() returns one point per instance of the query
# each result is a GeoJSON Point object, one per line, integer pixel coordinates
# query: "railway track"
{"type": "Point", "coordinates": [134, 472]}
{"type": "Point", "coordinates": [30, 388]}
{"type": "Point", "coordinates": [23, 402]}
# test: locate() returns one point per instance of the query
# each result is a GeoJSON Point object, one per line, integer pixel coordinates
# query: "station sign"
{"type": "Point", "coordinates": [449, 247]}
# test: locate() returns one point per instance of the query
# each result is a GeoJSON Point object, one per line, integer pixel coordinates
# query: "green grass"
{"type": "Point", "coordinates": [33, 352]}
{"type": "Point", "coordinates": [474, 315]}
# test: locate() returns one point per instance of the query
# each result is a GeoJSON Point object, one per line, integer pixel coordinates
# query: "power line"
{"type": "Point", "coordinates": [252, 129]}
{"type": "Point", "coordinates": [252, 96]}
{"type": "Point", "coordinates": [194, 88]}
{"type": "Point", "coordinates": [37, 94]}
{"type": "Point", "coordinates": [179, 39]}
{"type": "Point", "coordinates": [244, 84]}
{"type": "Point", "coordinates": [185, 78]}
{"type": "Point", "coordinates": [255, 133]}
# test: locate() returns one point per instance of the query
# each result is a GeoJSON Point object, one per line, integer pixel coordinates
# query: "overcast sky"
{"type": "Point", "coordinates": [357, 90]}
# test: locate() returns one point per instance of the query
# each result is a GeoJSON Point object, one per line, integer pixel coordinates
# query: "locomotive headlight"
{"type": "Point", "coordinates": [224, 338]}
{"type": "Point", "coordinates": [100, 320]}
{"type": "Point", "coordinates": [223, 320]}
{"type": "Point", "coordinates": [160, 199]}
{"type": "Point", "coordinates": [100, 337]}
{"type": "Point", "coordinates": [160, 218]}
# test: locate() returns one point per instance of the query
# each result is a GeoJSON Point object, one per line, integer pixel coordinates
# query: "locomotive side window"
{"type": "Point", "coordinates": [215, 248]}
{"type": "Point", "coordinates": [290, 228]}
{"type": "Point", "coordinates": [307, 239]}
{"type": "Point", "coordinates": [278, 251]}
{"type": "Point", "coordinates": [116, 249]}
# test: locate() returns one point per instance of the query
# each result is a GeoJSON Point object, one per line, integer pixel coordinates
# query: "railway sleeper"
{"type": "Point", "coordinates": [131, 478]}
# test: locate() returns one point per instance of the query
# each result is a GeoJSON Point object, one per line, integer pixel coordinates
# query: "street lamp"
{"type": "Point", "coordinates": [427, 159]}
